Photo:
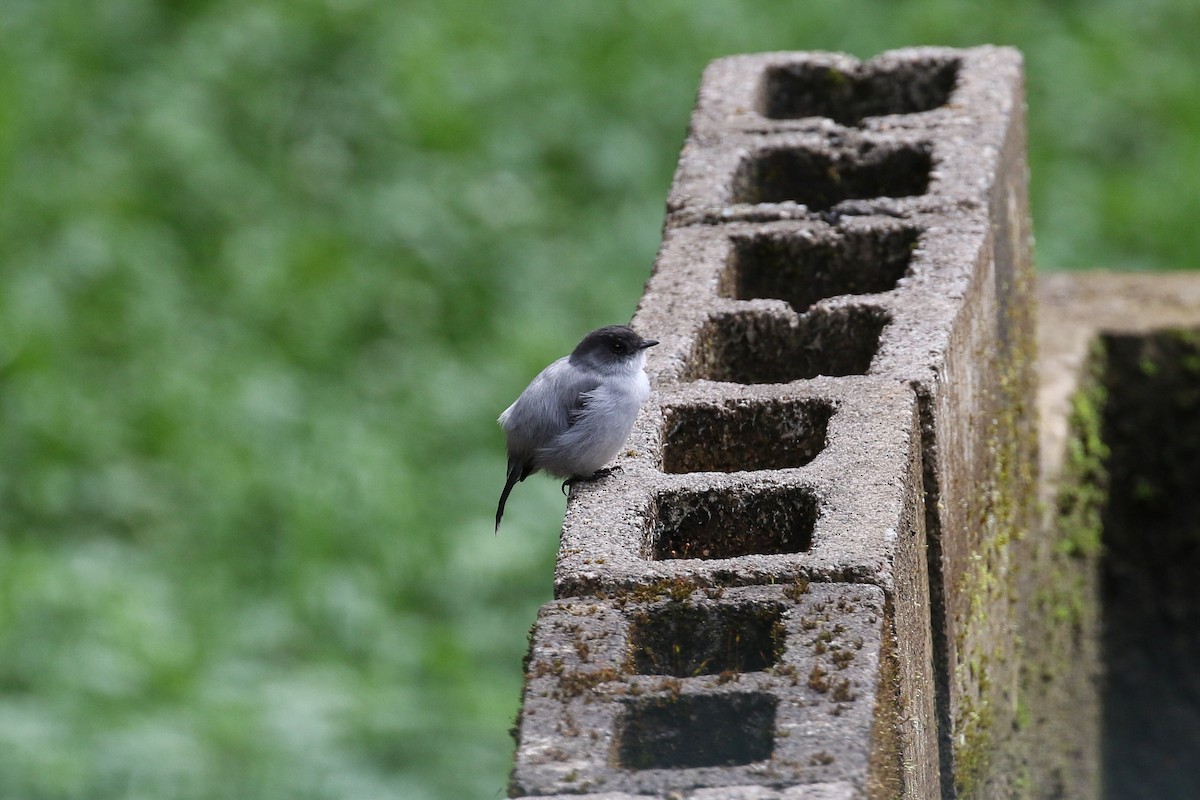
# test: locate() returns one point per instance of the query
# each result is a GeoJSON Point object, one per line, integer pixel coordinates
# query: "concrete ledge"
{"type": "Point", "coordinates": [812, 791]}
{"type": "Point", "coordinates": [1108, 705]}
{"type": "Point", "coordinates": [786, 301]}
{"type": "Point", "coordinates": [842, 390]}
{"type": "Point", "coordinates": [763, 145]}
{"type": "Point", "coordinates": [763, 485]}
{"type": "Point", "coordinates": [669, 689]}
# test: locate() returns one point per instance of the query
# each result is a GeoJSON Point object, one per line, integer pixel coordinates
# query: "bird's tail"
{"type": "Point", "coordinates": [516, 472]}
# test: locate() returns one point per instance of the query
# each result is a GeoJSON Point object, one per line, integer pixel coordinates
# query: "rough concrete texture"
{"type": "Point", "coordinates": [810, 791]}
{"type": "Point", "coordinates": [789, 300]}
{"type": "Point", "coordinates": [667, 689]}
{"type": "Point", "coordinates": [782, 135]}
{"type": "Point", "coordinates": [817, 480]}
{"type": "Point", "coordinates": [842, 390]}
{"type": "Point", "coordinates": [1075, 310]}
{"type": "Point", "coordinates": [812, 482]}
{"type": "Point", "coordinates": [957, 327]}
{"type": "Point", "coordinates": [1118, 355]}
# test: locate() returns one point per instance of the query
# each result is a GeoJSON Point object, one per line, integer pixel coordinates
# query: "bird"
{"type": "Point", "coordinates": [574, 417]}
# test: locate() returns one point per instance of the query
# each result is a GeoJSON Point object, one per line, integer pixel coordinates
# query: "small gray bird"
{"type": "Point", "coordinates": [576, 414]}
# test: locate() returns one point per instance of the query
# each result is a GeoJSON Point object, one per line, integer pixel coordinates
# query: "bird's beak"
{"type": "Point", "coordinates": [648, 343]}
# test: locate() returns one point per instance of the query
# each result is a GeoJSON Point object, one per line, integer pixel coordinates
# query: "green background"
{"type": "Point", "coordinates": [268, 273]}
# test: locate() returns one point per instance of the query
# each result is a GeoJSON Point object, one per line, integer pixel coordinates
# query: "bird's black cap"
{"type": "Point", "coordinates": [612, 340]}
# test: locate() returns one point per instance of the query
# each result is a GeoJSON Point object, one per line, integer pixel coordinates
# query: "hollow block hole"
{"type": "Point", "coordinates": [821, 180]}
{"type": "Point", "coordinates": [755, 347]}
{"type": "Point", "coordinates": [744, 435]}
{"type": "Point", "coordinates": [802, 270]}
{"type": "Point", "coordinates": [686, 640]}
{"type": "Point", "coordinates": [815, 90]}
{"type": "Point", "coordinates": [696, 731]}
{"type": "Point", "coordinates": [729, 523]}
{"type": "Point", "coordinates": [1150, 551]}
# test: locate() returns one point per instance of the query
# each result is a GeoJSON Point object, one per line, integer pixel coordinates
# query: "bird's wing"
{"type": "Point", "coordinates": [547, 407]}
{"type": "Point", "coordinates": [576, 394]}
{"type": "Point", "coordinates": [579, 406]}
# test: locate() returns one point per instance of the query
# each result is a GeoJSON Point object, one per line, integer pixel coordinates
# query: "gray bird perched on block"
{"type": "Point", "coordinates": [575, 416]}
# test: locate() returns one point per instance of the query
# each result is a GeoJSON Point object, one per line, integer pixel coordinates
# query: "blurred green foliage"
{"type": "Point", "coordinates": [269, 271]}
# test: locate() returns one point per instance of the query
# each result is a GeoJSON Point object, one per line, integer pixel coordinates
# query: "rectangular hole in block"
{"type": "Point", "coordinates": [821, 181]}
{"type": "Point", "coordinates": [802, 269]}
{"type": "Point", "coordinates": [1149, 552]}
{"type": "Point", "coordinates": [728, 523]}
{"type": "Point", "coordinates": [744, 435]}
{"type": "Point", "coordinates": [720, 730]}
{"type": "Point", "coordinates": [686, 640]}
{"type": "Point", "coordinates": [755, 347]}
{"type": "Point", "coordinates": [815, 90]}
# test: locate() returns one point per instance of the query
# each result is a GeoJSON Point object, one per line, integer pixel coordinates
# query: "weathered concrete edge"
{"type": "Point", "coordinates": [582, 680]}
{"type": "Point", "coordinates": [811, 791]}
{"type": "Point", "coordinates": [967, 139]}
{"type": "Point", "coordinates": [1063, 665]}
{"type": "Point", "coordinates": [1075, 309]}
{"type": "Point", "coordinates": [872, 439]}
{"type": "Point", "coordinates": [998, 250]}
{"type": "Point", "coordinates": [730, 94]}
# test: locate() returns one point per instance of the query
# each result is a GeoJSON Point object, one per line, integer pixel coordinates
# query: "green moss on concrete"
{"type": "Point", "coordinates": [988, 751]}
{"type": "Point", "coordinates": [973, 746]}
{"type": "Point", "coordinates": [1084, 482]}
{"type": "Point", "coordinates": [1005, 517]}
{"type": "Point", "coordinates": [1060, 617]}
{"type": "Point", "coordinates": [1066, 596]}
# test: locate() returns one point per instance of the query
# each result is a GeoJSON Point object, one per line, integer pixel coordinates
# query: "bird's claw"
{"type": "Point", "coordinates": [595, 476]}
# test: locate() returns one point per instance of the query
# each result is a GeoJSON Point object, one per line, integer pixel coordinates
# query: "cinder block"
{"type": "Point", "coordinates": [790, 300]}
{"type": "Point", "coordinates": [956, 326]}
{"type": "Point", "coordinates": [792, 175]}
{"type": "Point", "coordinates": [1110, 348]}
{"type": "Point", "coordinates": [819, 480]}
{"type": "Point", "coordinates": [829, 92]}
{"type": "Point", "coordinates": [812, 791]}
{"type": "Point", "coordinates": [1075, 310]}
{"type": "Point", "coordinates": [666, 689]}
{"type": "Point", "coordinates": [926, 304]}
{"type": "Point", "coordinates": [782, 135]}
{"type": "Point", "coordinates": [844, 301]}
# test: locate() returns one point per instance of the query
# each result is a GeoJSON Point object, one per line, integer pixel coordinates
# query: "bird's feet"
{"type": "Point", "coordinates": [595, 476]}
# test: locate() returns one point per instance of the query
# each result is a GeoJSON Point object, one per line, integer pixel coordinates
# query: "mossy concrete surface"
{"type": "Point", "coordinates": [826, 566]}
{"type": "Point", "coordinates": [1113, 706]}
{"type": "Point", "coordinates": [844, 300]}
{"type": "Point", "coordinates": [676, 690]}
{"type": "Point", "coordinates": [1075, 310]}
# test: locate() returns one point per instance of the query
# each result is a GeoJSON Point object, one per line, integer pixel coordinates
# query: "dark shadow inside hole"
{"type": "Point", "coordinates": [744, 435]}
{"type": "Point", "coordinates": [1150, 579]}
{"type": "Point", "coordinates": [815, 90]}
{"type": "Point", "coordinates": [696, 731]}
{"type": "Point", "coordinates": [820, 180]}
{"type": "Point", "coordinates": [687, 640]}
{"type": "Point", "coordinates": [758, 347]}
{"type": "Point", "coordinates": [728, 523]}
{"type": "Point", "coordinates": [802, 270]}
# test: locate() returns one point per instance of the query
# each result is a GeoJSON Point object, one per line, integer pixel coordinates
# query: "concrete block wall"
{"type": "Point", "coordinates": [1119, 361]}
{"type": "Point", "coordinates": [803, 578]}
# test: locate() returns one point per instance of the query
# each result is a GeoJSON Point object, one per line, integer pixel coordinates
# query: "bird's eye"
{"type": "Point", "coordinates": [618, 347]}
